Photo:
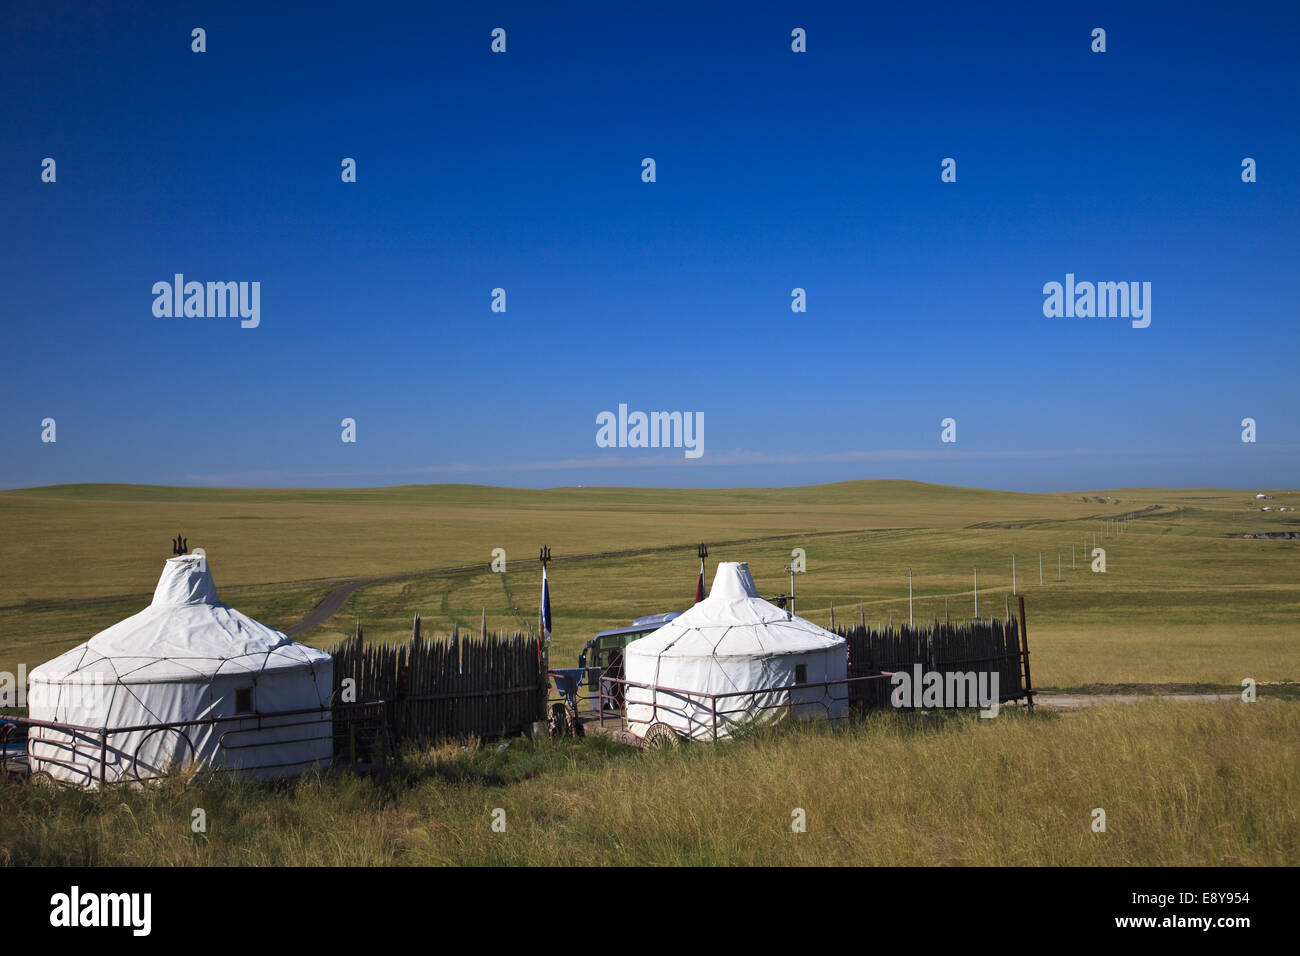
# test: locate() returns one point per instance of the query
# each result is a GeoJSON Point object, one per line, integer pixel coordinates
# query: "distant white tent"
{"type": "Point", "coordinates": [185, 657]}
{"type": "Point", "coordinates": [731, 641]}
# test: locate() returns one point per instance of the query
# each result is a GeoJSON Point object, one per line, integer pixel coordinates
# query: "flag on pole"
{"type": "Point", "coordinates": [544, 614]}
{"type": "Point", "coordinates": [699, 587]}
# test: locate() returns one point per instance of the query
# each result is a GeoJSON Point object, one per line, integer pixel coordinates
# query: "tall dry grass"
{"type": "Point", "coordinates": [1181, 784]}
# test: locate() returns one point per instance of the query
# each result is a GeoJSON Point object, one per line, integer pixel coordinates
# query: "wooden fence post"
{"type": "Point", "coordinates": [1024, 651]}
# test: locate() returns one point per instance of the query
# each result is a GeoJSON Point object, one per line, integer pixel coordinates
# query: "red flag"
{"type": "Point", "coordinates": [699, 588]}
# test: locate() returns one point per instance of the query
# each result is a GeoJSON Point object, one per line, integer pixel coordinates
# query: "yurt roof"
{"type": "Point", "coordinates": [733, 621]}
{"type": "Point", "coordinates": [185, 634]}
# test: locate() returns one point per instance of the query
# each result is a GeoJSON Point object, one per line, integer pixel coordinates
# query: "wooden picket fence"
{"type": "Point", "coordinates": [448, 688]}
{"type": "Point", "coordinates": [985, 645]}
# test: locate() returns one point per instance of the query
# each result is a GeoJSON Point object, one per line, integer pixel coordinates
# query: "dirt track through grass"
{"type": "Point", "coordinates": [327, 608]}
{"type": "Point", "coordinates": [1182, 601]}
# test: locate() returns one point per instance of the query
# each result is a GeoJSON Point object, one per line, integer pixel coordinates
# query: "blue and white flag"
{"type": "Point", "coordinates": [544, 615]}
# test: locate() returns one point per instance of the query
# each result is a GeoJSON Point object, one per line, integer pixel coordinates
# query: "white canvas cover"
{"type": "Point", "coordinates": [185, 657]}
{"type": "Point", "coordinates": [733, 640]}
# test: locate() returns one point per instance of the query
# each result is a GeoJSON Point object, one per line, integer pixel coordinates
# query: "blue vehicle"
{"type": "Point", "coordinates": [602, 657]}
{"type": "Point", "coordinates": [610, 644]}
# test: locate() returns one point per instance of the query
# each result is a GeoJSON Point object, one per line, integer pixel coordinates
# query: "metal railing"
{"type": "Point", "coordinates": [701, 710]}
{"type": "Point", "coordinates": [611, 698]}
{"type": "Point", "coordinates": [85, 750]}
{"type": "Point", "coordinates": [608, 698]}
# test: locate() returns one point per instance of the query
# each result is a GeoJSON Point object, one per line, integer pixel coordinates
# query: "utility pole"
{"type": "Point", "coordinates": [790, 613]}
{"type": "Point", "coordinates": [909, 597]}
{"type": "Point", "coordinates": [1013, 572]}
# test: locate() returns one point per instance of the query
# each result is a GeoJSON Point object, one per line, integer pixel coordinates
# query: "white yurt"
{"type": "Point", "coordinates": [733, 640]}
{"type": "Point", "coordinates": [186, 657]}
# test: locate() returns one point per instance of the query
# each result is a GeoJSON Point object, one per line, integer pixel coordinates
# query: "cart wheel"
{"type": "Point", "coordinates": [661, 737]}
{"type": "Point", "coordinates": [43, 779]}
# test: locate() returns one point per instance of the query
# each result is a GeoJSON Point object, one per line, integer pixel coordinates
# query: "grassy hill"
{"type": "Point", "coordinates": [1182, 599]}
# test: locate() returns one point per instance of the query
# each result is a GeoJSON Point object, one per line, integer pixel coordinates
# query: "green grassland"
{"type": "Point", "coordinates": [1182, 600]}
{"type": "Point", "coordinates": [1180, 784]}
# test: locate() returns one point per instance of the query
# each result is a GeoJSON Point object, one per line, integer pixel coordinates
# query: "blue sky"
{"type": "Point", "coordinates": [775, 170]}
